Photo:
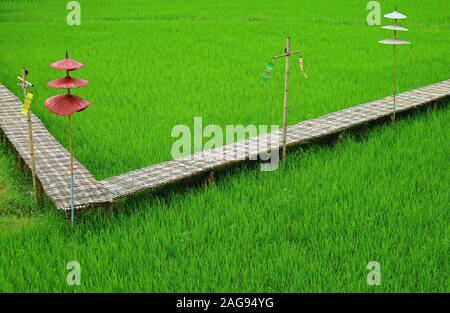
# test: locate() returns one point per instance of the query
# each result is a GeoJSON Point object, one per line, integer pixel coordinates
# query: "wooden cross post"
{"type": "Point", "coordinates": [24, 84]}
{"type": "Point", "coordinates": [286, 55]}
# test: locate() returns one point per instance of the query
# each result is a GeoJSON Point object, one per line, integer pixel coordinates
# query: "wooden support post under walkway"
{"type": "Point", "coordinates": [211, 178]}
{"type": "Point", "coordinates": [68, 217]}
{"type": "Point", "coordinates": [109, 211]}
{"type": "Point", "coordinates": [51, 156]}
{"type": "Point", "coordinates": [436, 105]}
{"type": "Point", "coordinates": [341, 135]}
{"type": "Point", "coordinates": [21, 163]}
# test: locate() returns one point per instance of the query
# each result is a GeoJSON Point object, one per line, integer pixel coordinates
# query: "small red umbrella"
{"type": "Point", "coordinates": [67, 83]}
{"type": "Point", "coordinates": [67, 104]}
{"type": "Point", "coordinates": [66, 64]}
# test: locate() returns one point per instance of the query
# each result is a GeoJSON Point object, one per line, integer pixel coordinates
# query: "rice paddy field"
{"type": "Point", "coordinates": [311, 226]}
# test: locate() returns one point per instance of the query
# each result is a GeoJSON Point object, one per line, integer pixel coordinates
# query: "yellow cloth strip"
{"type": "Point", "coordinates": [27, 103]}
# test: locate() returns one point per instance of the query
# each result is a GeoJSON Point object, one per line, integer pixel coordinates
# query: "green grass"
{"type": "Point", "coordinates": [15, 195]}
{"type": "Point", "coordinates": [313, 225]}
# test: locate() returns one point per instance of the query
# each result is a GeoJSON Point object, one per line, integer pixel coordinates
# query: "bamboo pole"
{"type": "Point", "coordinates": [68, 216]}
{"type": "Point", "coordinates": [21, 163]}
{"type": "Point", "coordinates": [395, 76]}
{"type": "Point", "coordinates": [286, 96]}
{"type": "Point", "coordinates": [341, 135]}
{"type": "Point", "coordinates": [72, 211]}
{"type": "Point", "coordinates": [108, 212]}
{"type": "Point", "coordinates": [30, 134]}
{"type": "Point", "coordinates": [211, 178]}
{"type": "Point", "coordinates": [435, 105]}
{"type": "Point", "coordinates": [287, 55]}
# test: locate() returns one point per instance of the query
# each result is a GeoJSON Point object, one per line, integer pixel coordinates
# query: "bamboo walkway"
{"type": "Point", "coordinates": [52, 158]}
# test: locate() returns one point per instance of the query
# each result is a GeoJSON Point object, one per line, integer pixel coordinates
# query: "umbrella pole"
{"type": "Point", "coordinates": [395, 75]}
{"type": "Point", "coordinates": [71, 175]}
{"type": "Point", "coordinates": [286, 93]}
{"type": "Point", "coordinates": [395, 82]}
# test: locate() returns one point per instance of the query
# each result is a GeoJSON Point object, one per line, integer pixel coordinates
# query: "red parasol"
{"type": "Point", "coordinates": [66, 104]}
{"type": "Point", "coordinates": [66, 64]}
{"type": "Point", "coordinates": [68, 82]}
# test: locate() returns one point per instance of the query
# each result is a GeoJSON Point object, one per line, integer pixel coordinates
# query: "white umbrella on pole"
{"type": "Point", "coordinates": [395, 41]}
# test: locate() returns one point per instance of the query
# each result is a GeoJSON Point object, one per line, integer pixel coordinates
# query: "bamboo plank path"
{"type": "Point", "coordinates": [52, 159]}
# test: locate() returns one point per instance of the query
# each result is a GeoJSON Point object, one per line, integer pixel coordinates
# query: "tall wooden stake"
{"type": "Point", "coordinates": [287, 55]}
{"type": "Point", "coordinates": [286, 95]}
{"type": "Point", "coordinates": [30, 134]}
{"type": "Point", "coordinates": [395, 79]}
{"type": "Point", "coordinates": [72, 212]}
